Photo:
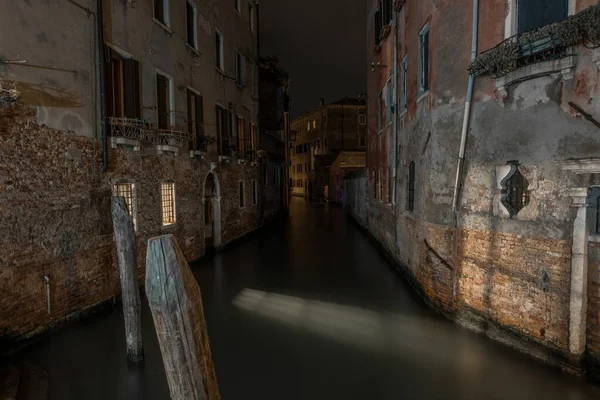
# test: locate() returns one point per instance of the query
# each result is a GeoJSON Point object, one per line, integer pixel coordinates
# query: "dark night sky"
{"type": "Point", "coordinates": [321, 43]}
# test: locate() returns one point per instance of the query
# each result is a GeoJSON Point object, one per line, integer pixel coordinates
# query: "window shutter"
{"type": "Point", "coordinates": [555, 11]}
{"type": "Point", "coordinates": [131, 87]}
{"type": "Point", "coordinates": [244, 72]}
{"type": "Point", "coordinates": [161, 97]}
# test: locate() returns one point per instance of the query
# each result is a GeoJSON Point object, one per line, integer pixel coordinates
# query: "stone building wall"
{"type": "Point", "coordinates": [510, 277]}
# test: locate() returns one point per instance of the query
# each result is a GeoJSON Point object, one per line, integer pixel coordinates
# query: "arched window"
{"type": "Point", "coordinates": [515, 195]}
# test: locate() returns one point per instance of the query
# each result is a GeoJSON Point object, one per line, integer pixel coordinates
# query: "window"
{"type": "Point", "coordinates": [378, 25]}
{"type": "Point", "coordinates": [325, 142]}
{"type": "Point", "coordinates": [164, 101]}
{"type": "Point", "coordinates": [314, 125]}
{"type": "Point", "coordinates": [305, 167]}
{"type": "Point", "coordinates": [380, 113]}
{"type": "Point", "coordinates": [308, 126]}
{"type": "Point", "coordinates": [515, 195]}
{"type": "Point", "coordinates": [362, 142]}
{"type": "Point", "coordinates": [362, 119]}
{"type": "Point", "coordinates": [223, 122]}
{"type": "Point", "coordinates": [410, 204]}
{"type": "Point", "coordinates": [325, 120]}
{"type": "Point", "coordinates": [241, 137]}
{"type": "Point", "coordinates": [122, 90]}
{"type": "Point", "coordinates": [219, 50]}
{"type": "Point", "coordinates": [167, 191]}
{"type": "Point", "coordinates": [389, 98]}
{"type": "Point", "coordinates": [161, 11]}
{"type": "Point", "coordinates": [403, 98]}
{"type": "Point", "coordinates": [251, 16]}
{"type": "Point", "coordinates": [195, 117]}
{"type": "Point", "coordinates": [240, 69]}
{"type": "Point", "coordinates": [242, 194]}
{"type": "Point", "coordinates": [192, 28]}
{"type": "Point", "coordinates": [293, 169]}
{"type": "Point", "coordinates": [265, 174]}
{"type": "Point", "coordinates": [254, 193]}
{"type": "Point", "coordinates": [534, 14]}
{"type": "Point", "coordinates": [238, 7]}
{"type": "Point", "coordinates": [127, 190]}
{"type": "Point", "coordinates": [252, 80]}
{"type": "Point", "coordinates": [253, 139]}
{"type": "Point", "coordinates": [424, 53]}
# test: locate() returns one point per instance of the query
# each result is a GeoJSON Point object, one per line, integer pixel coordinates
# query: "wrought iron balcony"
{"type": "Point", "coordinates": [131, 128]}
{"type": "Point", "coordinates": [173, 136]}
{"type": "Point", "coordinates": [547, 43]}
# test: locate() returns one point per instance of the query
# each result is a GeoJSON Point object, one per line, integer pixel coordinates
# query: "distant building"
{"type": "Point", "coordinates": [274, 100]}
{"type": "Point", "coordinates": [317, 139]}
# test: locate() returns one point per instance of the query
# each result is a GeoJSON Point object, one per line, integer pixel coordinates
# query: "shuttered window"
{"type": "Point", "coordinates": [191, 24]}
{"type": "Point", "coordinates": [162, 101]}
{"type": "Point", "coordinates": [131, 73]}
{"type": "Point", "coordinates": [195, 119]}
{"type": "Point", "coordinates": [534, 14]}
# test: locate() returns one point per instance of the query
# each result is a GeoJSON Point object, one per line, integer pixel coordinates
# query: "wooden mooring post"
{"type": "Point", "coordinates": [125, 241]}
{"type": "Point", "coordinates": [176, 304]}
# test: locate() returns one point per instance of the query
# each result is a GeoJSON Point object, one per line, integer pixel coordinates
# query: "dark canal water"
{"type": "Point", "coordinates": [306, 310]}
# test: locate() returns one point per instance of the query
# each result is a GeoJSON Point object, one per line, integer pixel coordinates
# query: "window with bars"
{"type": "Point", "coordinates": [127, 190]}
{"type": "Point", "coordinates": [410, 204]}
{"type": "Point", "coordinates": [195, 117]}
{"type": "Point", "coordinates": [515, 190]}
{"type": "Point", "coordinates": [167, 192]}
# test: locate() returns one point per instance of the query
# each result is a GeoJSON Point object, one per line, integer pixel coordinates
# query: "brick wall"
{"type": "Point", "coordinates": [55, 217]}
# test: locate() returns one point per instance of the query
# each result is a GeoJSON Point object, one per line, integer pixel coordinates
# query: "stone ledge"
{"type": "Point", "coordinates": [116, 141]}
{"type": "Point", "coordinates": [162, 149]}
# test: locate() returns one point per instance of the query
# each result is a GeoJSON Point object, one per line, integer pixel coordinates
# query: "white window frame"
{"type": "Point", "coordinates": [511, 19]}
{"type": "Point", "coordinates": [424, 31]}
{"type": "Point", "coordinates": [251, 16]}
{"type": "Point", "coordinates": [221, 51]}
{"type": "Point", "coordinates": [167, 23]}
{"type": "Point", "coordinates": [240, 69]}
{"type": "Point", "coordinates": [171, 110]}
{"type": "Point", "coordinates": [195, 9]}
{"type": "Point", "coordinates": [254, 192]}
{"type": "Point", "coordinates": [162, 215]}
{"type": "Point", "coordinates": [134, 206]}
{"type": "Point", "coordinates": [243, 193]}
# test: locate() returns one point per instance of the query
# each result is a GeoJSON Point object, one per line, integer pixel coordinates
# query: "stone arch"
{"type": "Point", "coordinates": [216, 207]}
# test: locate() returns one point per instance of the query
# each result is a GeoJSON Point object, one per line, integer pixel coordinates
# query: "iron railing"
{"type": "Point", "coordinates": [131, 128]}
{"type": "Point", "coordinates": [173, 136]}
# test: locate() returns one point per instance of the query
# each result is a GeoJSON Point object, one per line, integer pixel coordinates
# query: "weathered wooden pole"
{"type": "Point", "coordinates": [125, 240]}
{"type": "Point", "coordinates": [176, 304]}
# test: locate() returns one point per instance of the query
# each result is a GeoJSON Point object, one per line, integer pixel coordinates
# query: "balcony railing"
{"type": "Point", "coordinates": [547, 43]}
{"type": "Point", "coordinates": [131, 128]}
{"type": "Point", "coordinates": [173, 136]}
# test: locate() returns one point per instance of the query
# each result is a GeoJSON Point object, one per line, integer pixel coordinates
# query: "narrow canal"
{"type": "Point", "coordinates": [306, 310]}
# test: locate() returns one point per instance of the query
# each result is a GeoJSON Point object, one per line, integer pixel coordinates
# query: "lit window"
{"type": "Point", "coordinates": [254, 193]}
{"type": "Point", "coordinates": [161, 11]}
{"type": "Point", "coordinates": [127, 190]}
{"type": "Point", "coordinates": [362, 119]}
{"type": "Point", "coordinates": [242, 194]}
{"type": "Point", "coordinates": [314, 125]}
{"type": "Point", "coordinates": [219, 51]}
{"type": "Point", "coordinates": [192, 28]}
{"type": "Point", "coordinates": [424, 67]}
{"type": "Point", "coordinates": [167, 191]}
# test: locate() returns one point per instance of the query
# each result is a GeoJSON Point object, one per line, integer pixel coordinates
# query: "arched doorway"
{"type": "Point", "coordinates": [211, 201]}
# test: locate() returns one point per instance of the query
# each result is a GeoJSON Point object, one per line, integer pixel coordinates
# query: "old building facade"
{"type": "Point", "coordinates": [159, 105]}
{"type": "Point", "coordinates": [483, 156]}
{"type": "Point", "coordinates": [317, 139]}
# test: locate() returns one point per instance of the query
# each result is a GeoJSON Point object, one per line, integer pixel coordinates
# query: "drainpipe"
{"type": "Point", "coordinates": [465, 128]}
{"type": "Point", "coordinates": [395, 165]}
{"type": "Point", "coordinates": [100, 23]}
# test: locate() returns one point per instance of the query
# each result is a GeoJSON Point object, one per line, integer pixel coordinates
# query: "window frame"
{"type": "Point", "coordinates": [171, 102]}
{"type": "Point", "coordinates": [197, 123]}
{"type": "Point", "coordinates": [162, 204]}
{"type": "Point", "coordinates": [254, 192]}
{"type": "Point", "coordinates": [404, 95]}
{"type": "Point", "coordinates": [166, 13]}
{"type": "Point", "coordinates": [133, 208]}
{"type": "Point", "coordinates": [362, 119]}
{"type": "Point", "coordinates": [424, 59]}
{"type": "Point", "coordinates": [240, 69]}
{"type": "Point", "coordinates": [251, 17]}
{"type": "Point", "coordinates": [220, 57]}
{"type": "Point", "coordinates": [242, 194]}
{"type": "Point", "coordinates": [194, 8]}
